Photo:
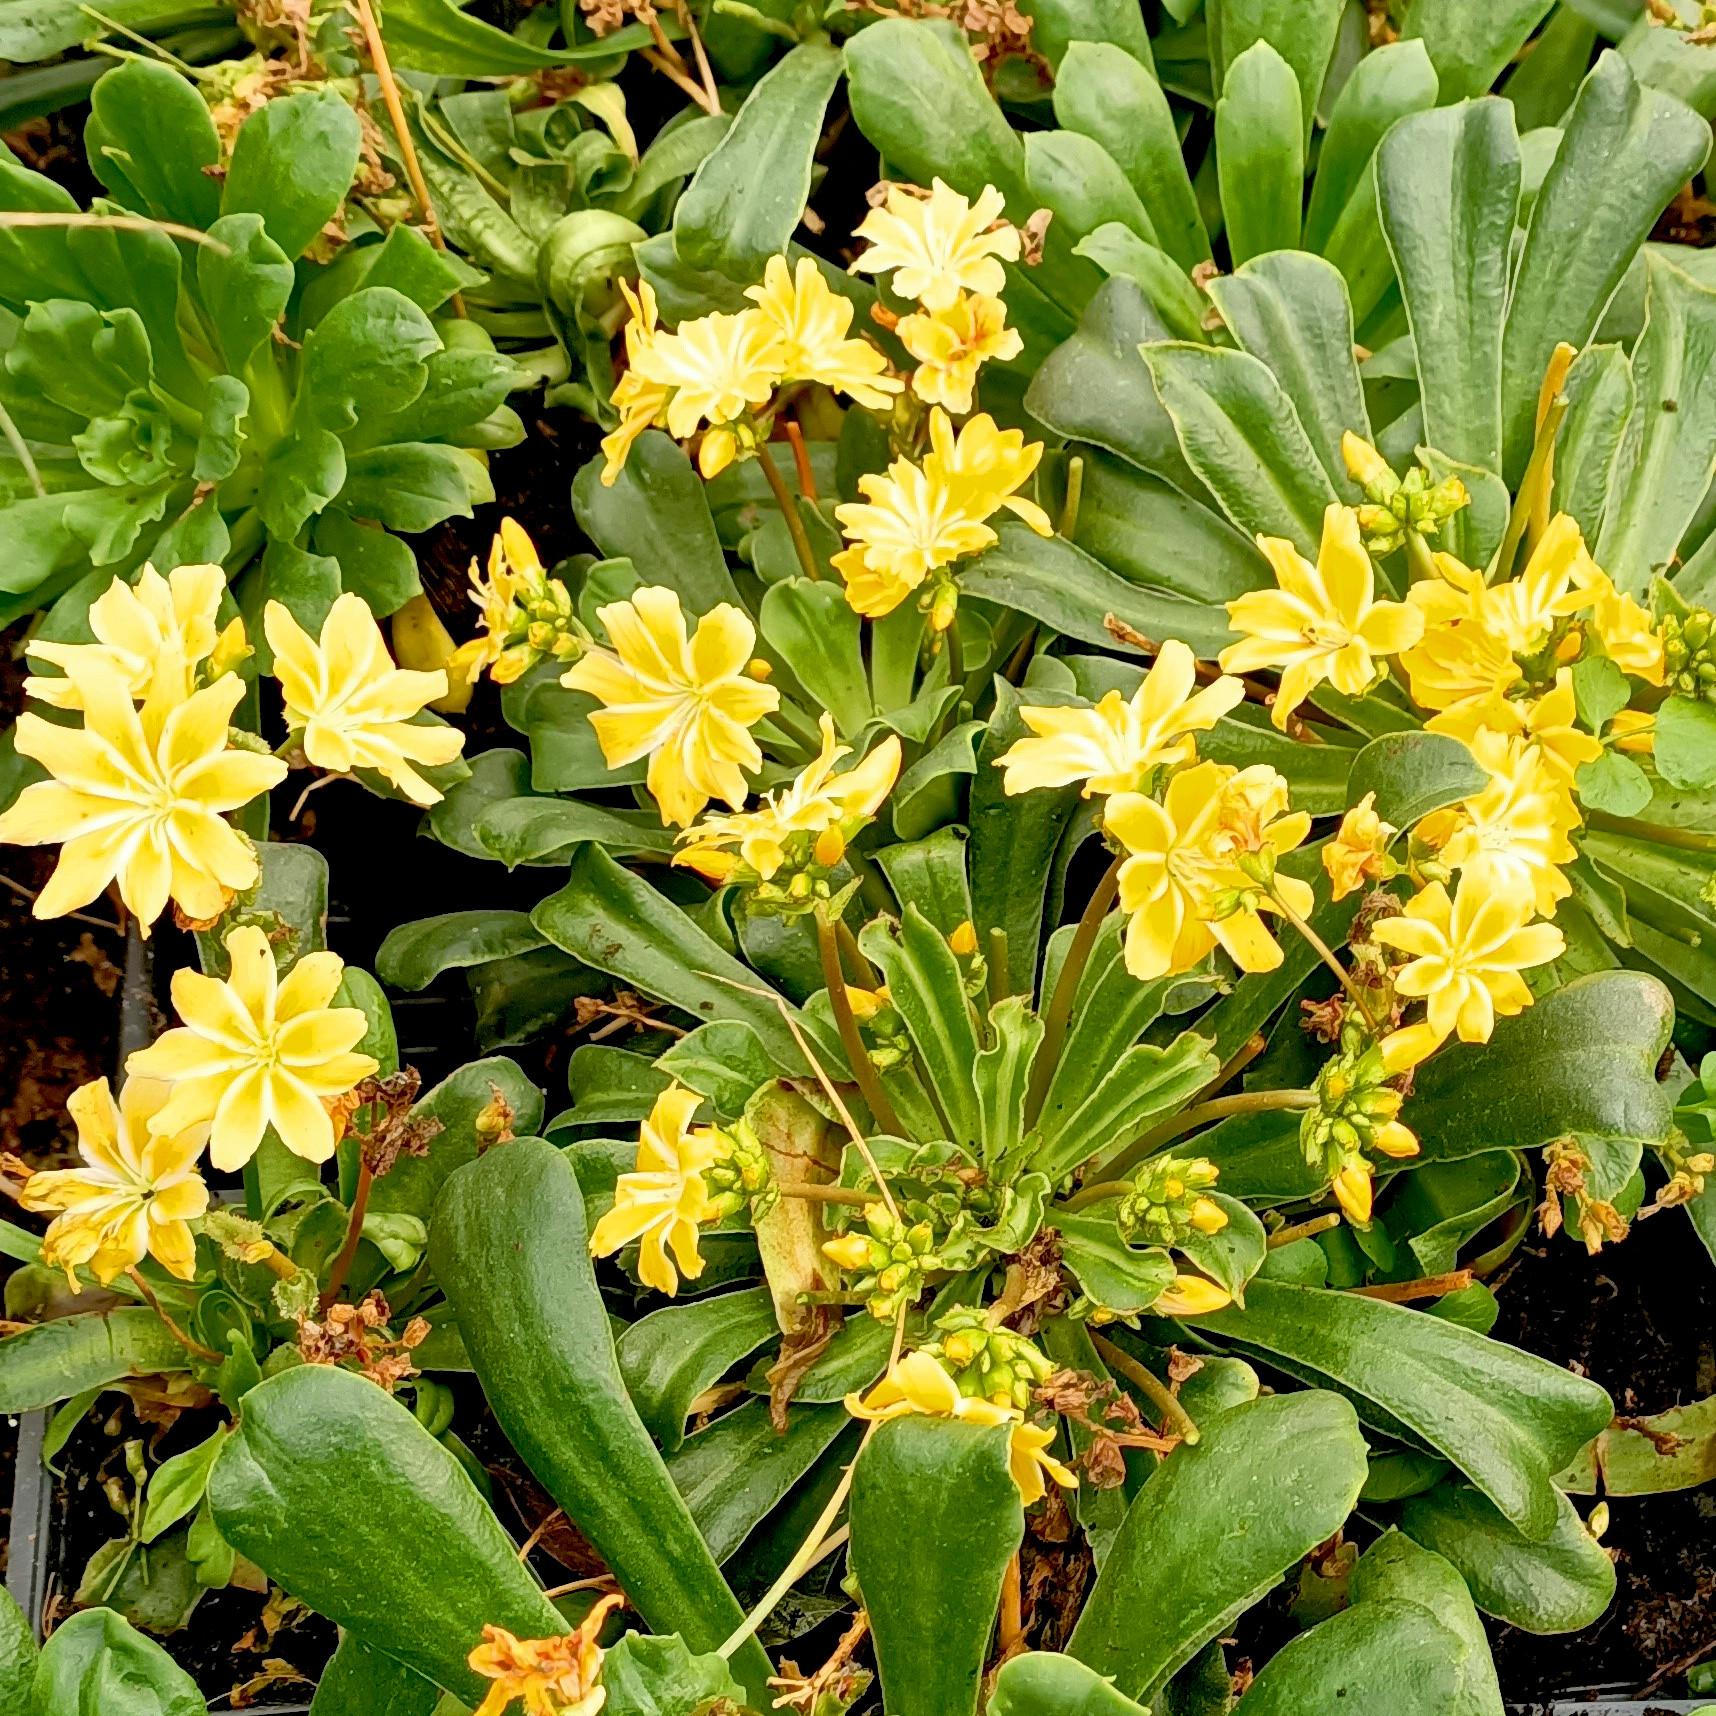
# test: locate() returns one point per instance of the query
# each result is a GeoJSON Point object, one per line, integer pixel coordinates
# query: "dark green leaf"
{"type": "Point", "coordinates": [747, 197]}
{"type": "Point", "coordinates": [1447, 187]}
{"type": "Point", "coordinates": [71, 1355]}
{"type": "Point", "coordinates": [1260, 152]}
{"type": "Point", "coordinates": [1556, 1585]}
{"type": "Point", "coordinates": [1613, 783]}
{"type": "Point", "coordinates": [1579, 244]}
{"type": "Point", "coordinates": [333, 1488]}
{"type": "Point", "coordinates": [95, 1663]}
{"type": "Point", "coordinates": [1382, 1655]}
{"type": "Point", "coordinates": [363, 1681]}
{"type": "Point", "coordinates": [1413, 774]}
{"type": "Point", "coordinates": [1470, 47]}
{"type": "Point", "coordinates": [415, 954]}
{"type": "Point", "coordinates": [645, 1676]}
{"type": "Point", "coordinates": [1178, 1574]}
{"type": "Point", "coordinates": [1240, 433]}
{"type": "Point", "coordinates": [928, 1494]}
{"type": "Point", "coordinates": [671, 1356]}
{"type": "Point", "coordinates": [1046, 1683]}
{"type": "Point", "coordinates": [1509, 1420]}
{"type": "Point", "coordinates": [510, 1248]}
{"type": "Point", "coordinates": [153, 127]}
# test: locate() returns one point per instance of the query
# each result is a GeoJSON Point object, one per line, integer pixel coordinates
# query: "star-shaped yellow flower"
{"type": "Point", "coordinates": [1181, 885]}
{"type": "Point", "coordinates": [136, 1193]}
{"type": "Point", "coordinates": [952, 345]}
{"type": "Point", "coordinates": [1323, 623]}
{"type": "Point", "coordinates": [1114, 746]}
{"type": "Point", "coordinates": [1623, 627]}
{"type": "Point", "coordinates": [662, 1201]}
{"type": "Point", "coordinates": [495, 594]}
{"type": "Point", "coordinates": [1466, 954]}
{"type": "Point", "coordinates": [138, 797]}
{"type": "Point", "coordinates": [350, 706]}
{"type": "Point", "coordinates": [686, 703]}
{"type": "Point", "coordinates": [938, 246]}
{"type": "Point", "coordinates": [158, 629]}
{"type": "Point", "coordinates": [809, 321]}
{"type": "Point", "coordinates": [817, 802]}
{"type": "Point", "coordinates": [718, 366]}
{"type": "Point", "coordinates": [1515, 832]}
{"type": "Point", "coordinates": [1551, 722]}
{"type": "Point", "coordinates": [917, 1383]}
{"type": "Point", "coordinates": [257, 1051]}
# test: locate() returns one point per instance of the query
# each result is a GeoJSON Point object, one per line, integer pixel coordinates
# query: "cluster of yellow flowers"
{"type": "Point", "coordinates": [1491, 664]}
{"type": "Point", "coordinates": [917, 1383]}
{"type": "Point", "coordinates": [527, 616]}
{"type": "Point", "coordinates": [1199, 854]}
{"type": "Point", "coordinates": [718, 374]}
{"type": "Point", "coordinates": [253, 1052]}
{"type": "Point", "coordinates": [139, 792]}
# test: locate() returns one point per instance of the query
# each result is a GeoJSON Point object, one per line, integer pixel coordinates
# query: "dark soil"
{"type": "Point", "coordinates": [1639, 1318]}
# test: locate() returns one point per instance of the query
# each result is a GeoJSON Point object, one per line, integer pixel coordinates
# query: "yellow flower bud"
{"type": "Point", "coordinates": [1352, 1190]}
{"type": "Point", "coordinates": [963, 941]}
{"type": "Point", "coordinates": [944, 607]}
{"type": "Point", "coordinates": [718, 450]}
{"type": "Point", "coordinates": [759, 670]}
{"type": "Point", "coordinates": [850, 1251]}
{"type": "Point", "coordinates": [1395, 1140]}
{"type": "Point", "coordinates": [865, 1003]}
{"type": "Point", "coordinates": [1191, 1296]}
{"type": "Point", "coordinates": [830, 846]}
{"type": "Point", "coordinates": [1208, 1216]}
{"type": "Point", "coordinates": [1365, 465]}
{"type": "Point", "coordinates": [231, 647]}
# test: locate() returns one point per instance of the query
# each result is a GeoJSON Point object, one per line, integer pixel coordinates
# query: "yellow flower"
{"type": "Point", "coordinates": [940, 245]}
{"type": "Point", "coordinates": [1466, 955]}
{"type": "Point", "coordinates": [1623, 627]}
{"type": "Point", "coordinates": [719, 367]}
{"type": "Point", "coordinates": [983, 465]}
{"type": "Point", "coordinates": [918, 1384]}
{"type": "Point", "coordinates": [661, 1202]}
{"type": "Point", "coordinates": [908, 525]}
{"type": "Point", "coordinates": [1114, 746]}
{"type": "Point", "coordinates": [1190, 1296]}
{"type": "Point", "coordinates": [951, 345]}
{"type": "Point", "coordinates": [156, 631]}
{"type": "Point", "coordinates": [810, 319]}
{"type": "Point", "coordinates": [350, 706]}
{"type": "Point", "coordinates": [550, 1677]}
{"type": "Point", "coordinates": [1558, 580]}
{"type": "Point", "coordinates": [134, 1196]}
{"type": "Point", "coordinates": [138, 795]}
{"type": "Point", "coordinates": [1550, 722]}
{"type": "Point", "coordinates": [257, 1051]}
{"type": "Point", "coordinates": [817, 801]}
{"type": "Point", "coordinates": [1323, 622]}
{"type": "Point", "coordinates": [1515, 832]}
{"type": "Point", "coordinates": [914, 520]}
{"type": "Point", "coordinates": [639, 401]}
{"type": "Point", "coordinates": [512, 563]}
{"type": "Point", "coordinates": [1459, 659]}
{"type": "Point", "coordinates": [1359, 851]}
{"type": "Point", "coordinates": [1182, 867]}
{"type": "Point", "coordinates": [685, 703]}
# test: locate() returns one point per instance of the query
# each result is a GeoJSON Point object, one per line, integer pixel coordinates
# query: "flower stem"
{"type": "Point", "coordinates": [828, 1195]}
{"type": "Point", "coordinates": [1303, 1230]}
{"type": "Point", "coordinates": [1059, 1015]}
{"type": "Point", "coordinates": [1688, 840]}
{"type": "Point", "coordinates": [1427, 1287]}
{"type": "Point", "coordinates": [1096, 1191]}
{"type": "Point", "coordinates": [195, 1348]}
{"type": "Point", "coordinates": [851, 1038]}
{"type": "Point", "coordinates": [354, 1232]}
{"type": "Point", "coordinates": [1155, 1390]}
{"type": "Point", "coordinates": [1202, 1113]}
{"type": "Point", "coordinates": [1324, 953]}
{"type": "Point", "coordinates": [788, 503]}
